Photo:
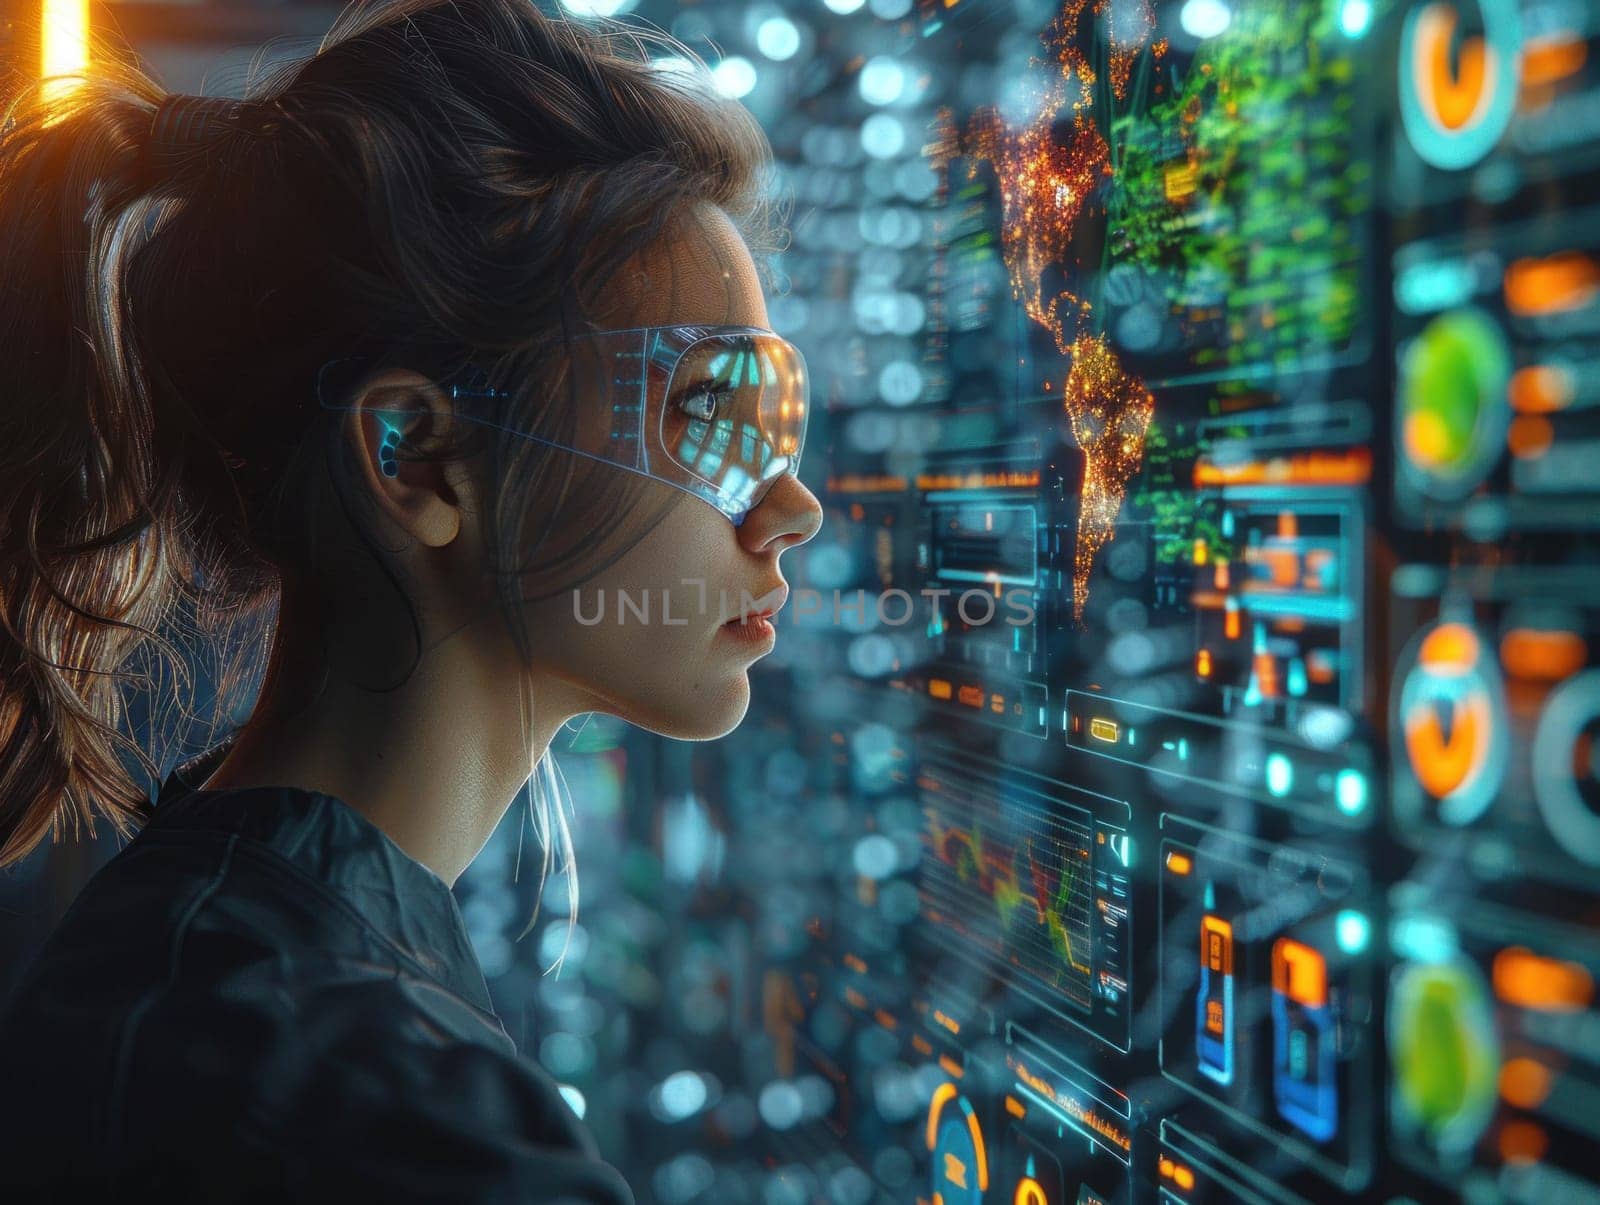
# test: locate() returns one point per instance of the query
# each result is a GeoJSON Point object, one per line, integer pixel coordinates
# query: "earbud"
{"type": "Point", "coordinates": [387, 464]}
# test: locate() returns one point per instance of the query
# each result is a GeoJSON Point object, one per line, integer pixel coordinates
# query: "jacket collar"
{"type": "Point", "coordinates": [408, 905]}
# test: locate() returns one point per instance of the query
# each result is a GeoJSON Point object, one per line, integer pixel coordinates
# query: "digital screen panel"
{"type": "Point", "coordinates": [1175, 779]}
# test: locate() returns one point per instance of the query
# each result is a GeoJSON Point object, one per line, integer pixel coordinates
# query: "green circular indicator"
{"type": "Point", "coordinates": [1452, 413]}
{"type": "Point", "coordinates": [1444, 1053]}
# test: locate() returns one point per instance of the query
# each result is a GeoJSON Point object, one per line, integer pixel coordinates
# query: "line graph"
{"type": "Point", "coordinates": [1015, 881]}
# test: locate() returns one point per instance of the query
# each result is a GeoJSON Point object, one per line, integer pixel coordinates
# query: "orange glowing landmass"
{"type": "Point", "coordinates": [1045, 188]}
{"type": "Point", "coordinates": [1110, 412]}
{"type": "Point", "coordinates": [1131, 27]}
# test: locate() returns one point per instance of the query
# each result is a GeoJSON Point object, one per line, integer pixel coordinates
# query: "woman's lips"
{"type": "Point", "coordinates": [757, 629]}
{"type": "Point", "coordinates": [771, 603]}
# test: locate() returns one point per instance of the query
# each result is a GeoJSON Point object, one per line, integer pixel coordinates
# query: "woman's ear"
{"type": "Point", "coordinates": [398, 418]}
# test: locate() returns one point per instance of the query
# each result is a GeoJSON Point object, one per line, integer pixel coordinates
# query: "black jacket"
{"type": "Point", "coordinates": [262, 998]}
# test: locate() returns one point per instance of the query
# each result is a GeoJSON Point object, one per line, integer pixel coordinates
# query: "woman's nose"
{"type": "Point", "coordinates": [789, 514]}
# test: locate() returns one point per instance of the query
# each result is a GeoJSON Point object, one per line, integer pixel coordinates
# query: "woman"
{"type": "Point", "coordinates": [389, 378]}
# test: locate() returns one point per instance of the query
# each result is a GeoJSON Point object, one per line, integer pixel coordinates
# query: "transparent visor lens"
{"type": "Point", "coordinates": [721, 414]}
{"type": "Point", "coordinates": [731, 418]}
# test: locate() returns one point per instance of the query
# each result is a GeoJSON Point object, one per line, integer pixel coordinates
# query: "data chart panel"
{"type": "Point", "coordinates": [1033, 876]}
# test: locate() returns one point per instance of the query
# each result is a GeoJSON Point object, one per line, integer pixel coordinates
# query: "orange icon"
{"type": "Point", "coordinates": [1457, 93]}
{"type": "Point", "coordinates": [1458, 86]}
{"type": "Point", "coordinates": [1030, 1192]}
{"type": "Point", "coordinates": [1449, 716]}
{"type": "Point", "coordinates": [1447, 736]}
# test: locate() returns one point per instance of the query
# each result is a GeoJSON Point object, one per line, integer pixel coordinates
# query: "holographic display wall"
{"type": "Point", "coordinates": [1252, 350]}
{"type": "Point", "coordinates": [1177, 777]}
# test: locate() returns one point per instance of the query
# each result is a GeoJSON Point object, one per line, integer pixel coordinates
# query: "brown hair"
{"type": "Point", "coordinates": [443, 182]}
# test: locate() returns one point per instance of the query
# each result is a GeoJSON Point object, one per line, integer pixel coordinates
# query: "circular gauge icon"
{"type": "Point", "coordinates": [1029, 1192]}
{"type": "Point", "coordinates": [1452, 413]}
{"type": "Point", "coordinates": [1449, 718]}
{"type": "Point", "coordinates": [960, 1162]}
{"type": "Point", "coordinates": [1566, 766]}
{"type": "Point", "coordinates": [1443, 1052]}
{"type": "Point", "coordinates": [1458, 78]}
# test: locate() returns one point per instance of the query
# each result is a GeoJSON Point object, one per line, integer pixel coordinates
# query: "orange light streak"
{"type": "Point", "coordinates": [1567, 280]}
{"type": "Point", "coordinates": [1542, 656]}
{"type": "Point", "coordinates": [1532, 981]}
{"type": "Point", "coordinates": [1350, 467]}
{"type": "Point", "coordinates": [1540, 389]}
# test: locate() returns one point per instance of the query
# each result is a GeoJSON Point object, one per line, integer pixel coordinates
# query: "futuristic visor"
{"type": "Point", "coordinates": [717, 411]}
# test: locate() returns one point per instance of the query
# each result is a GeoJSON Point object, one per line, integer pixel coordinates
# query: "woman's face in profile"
{"type": "Point", "coordinates": [679, 670]}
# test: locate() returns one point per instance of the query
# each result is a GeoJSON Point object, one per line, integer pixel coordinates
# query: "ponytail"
{"type": "Point", "coordinates": [88, 511]}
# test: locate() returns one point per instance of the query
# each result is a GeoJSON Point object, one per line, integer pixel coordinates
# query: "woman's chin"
{"type": "Point", "coordinates": [701, 716]}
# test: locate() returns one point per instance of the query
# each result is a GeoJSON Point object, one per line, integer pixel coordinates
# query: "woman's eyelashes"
{"type": "Point", "coordinates": [702, 401]}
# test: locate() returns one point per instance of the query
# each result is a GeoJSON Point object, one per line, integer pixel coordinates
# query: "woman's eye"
{"type": "Point", "coordinates": [703, 403]}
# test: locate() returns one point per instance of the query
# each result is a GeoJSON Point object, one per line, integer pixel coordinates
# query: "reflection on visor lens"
{"type": "Point", "coordinates": [719, 412]}
{"type": "Point", "coordinates": [733, 415]}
